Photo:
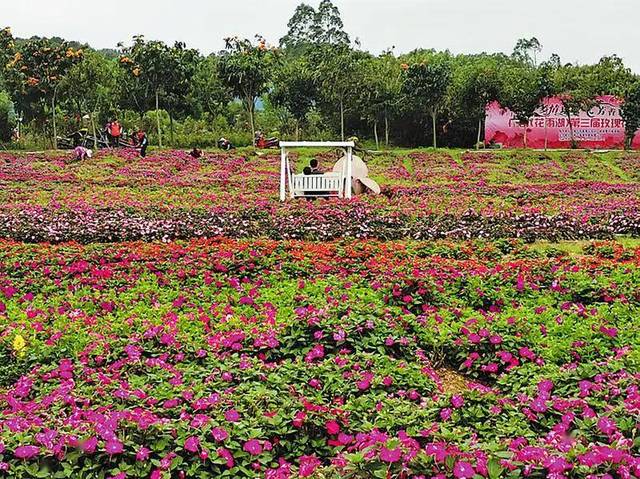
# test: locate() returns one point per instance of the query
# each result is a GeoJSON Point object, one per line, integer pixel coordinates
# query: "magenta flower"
{"type": "Point", "coordinates": [232, 415]}
{"type": "Point", "coordinates": [332, 427]}
{"type": "Point", "coordinates": [219, 434]}
{"type": "Point", "coordinates": [142, 454]}
{"type": "Point", "coordinates": [607, 426]}
{"type": "Point", "coordinates": [308, 465]}
{"type": "Point", "coordinates": [457, 401]}
{"type": "Point", "coordinates": [192, 444]}
{"type": "Point", "coordinates": [26, 452]}
{"type": "Point", "coordinates": [89, 446]}
{"type": "Point", "coordinates": [253, 447]}
{"type": "Point", "coordinates": [445, 414]}
{"type": "Point", "coordinates": [226, 455]}
{"type": "Point", "coordinates": [390, 455]}
{"type": "Point", "coordinates": [113, 447]}
{"type": "Point", "coordinates": [463, 470]}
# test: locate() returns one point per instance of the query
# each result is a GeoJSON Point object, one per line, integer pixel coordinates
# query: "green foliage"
{"type": "Point", "coordinates": [426, 84]}
{"type": "Point", "coordinates": [630, 110]}
{"type": "Point", "coordinates": [7, 117]}
{"type": "Point", "coordinates": [294, 89]}
{"type": "Point", "coordinates": [246, 69]}
{"type": "Point", "coordinates": [158, 75]}
{"type": "Point", "coordinates": [309, 27]}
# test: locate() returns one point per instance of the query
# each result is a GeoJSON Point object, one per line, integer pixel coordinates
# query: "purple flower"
{"type": "Point", "coordinates": [253, 447]}
{"type": "Point", "coordinates": [463, 470]}
{"type": "Point", "coordinates": [457, 401]}
{"type": "Point", "coordinates": [219, 434]}
{"type": "Point", "coordinates": [232, 415]}
{"type": "Point", "coordinates": [113, 447]}
{"type": "Point", "coordinates": [308, 465]}
{"type": "Point", "coordinates": [192, 444]}
{"type": "Point", "coordinates": [26, 452]}
{"type": "Point", "coordinates": [142, 454]}
{"type": "Point", "coordinates": [390, 455]}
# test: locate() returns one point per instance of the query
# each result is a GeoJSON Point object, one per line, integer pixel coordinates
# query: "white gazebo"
{"type": "Point", "coordinates": [325, 184]}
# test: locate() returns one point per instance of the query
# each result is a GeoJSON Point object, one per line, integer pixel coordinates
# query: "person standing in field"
{"type": "Point", "coordinates": [114, 132]}
{"type": "Point", "coordinates": [143, 142]}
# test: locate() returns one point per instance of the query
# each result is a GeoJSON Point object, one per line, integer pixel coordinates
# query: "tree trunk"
{"type": "Point", "coordinates": [479, 133]}
{"type": "Point", "coordinates": [250, 106]}
{"type": "Point", "coordinates": [375, 134]}
{"type": "Point", "coordinates": [171, 130]}
{"type": "Point", "coordinates": [342, 120]}
{"type": "Point", "coordinates": [433, 124]}
{"type": "Point", "coordinates": [93, 131]}
{"type": "Point", "coordinates": [53, 114]}
{"type": "Point", "coordinates": [297, 130]}
{"type": "Point", "coordinates": [386, 128]}
{"type": "Point", "coordinates": [158, 120]}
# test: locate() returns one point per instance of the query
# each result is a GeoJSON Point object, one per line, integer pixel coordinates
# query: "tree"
{"type": "Point", "coordinates": [294, 89]}
{"type": "Point", "coordinates": [477, 83]}
{"type": "Point", "coordinates": [35, 73]}
{"type": "Point", "coordinates": [207, 93]}
{"type": "Point", "coordinates": [7, 117]}
{"type": "Point", "coordinates": [158, 71]}
{"type": "Point", "coordinates": [335, 67]}
{"type": "Point", "coordinates": [630, 111]}
{"type": "Point", "coordinates": [526, 50]}
{"type": "Point", "coordinates": [609, 76]}
{"type": "Point", "coordinates": [576, 92]}
{"type": "Point", "coordinates": [523, 89]}
{"type": "Point", "coordinates": [426, 85]}
{"type": "Point", "coordinates": [92, 86]}
{"type": "Point", "coordinates": [308, 26]}
{"type": "Point", "coordinates": [246, 69]}
{"type": "Point", "coordinates": [380, 91]}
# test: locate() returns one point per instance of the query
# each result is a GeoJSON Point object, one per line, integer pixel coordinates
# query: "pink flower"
{"type": "Point", "coordinates": [89, 446]}
{"type": "Point", "coordinates": [308, 465]}
{"type": "Point", "coordinates": [445, 414]}
{"type": "Point", "coordinates": [225, 454]}
{"type": "Point", "coordinates": [142, 454]}
{"type": "Point", "coordinates": [120, 475]}
{"type": "Point", "coordinates": [232, 415]}
{"type": "Point", "coordinates": [219, 434]}
{"type": "Point", "coordinates": [253, 447]}
{"type": "Point", "coordinates": [390, 455]}
{"type": "Point", "coordinates": [26, 452]}
{"type": "Point", "coordinates": [607, 426]}
{"type": "Point", "coordinates": [332, 427]}
{"type": "Point", "coordinates": [463, 470]}
{"type": "Point", "coordinates": [457, 401]}
{"type": "Point", "coordinates": [113, 447]}
{"type": "Point", "coordinates": [192, 444]}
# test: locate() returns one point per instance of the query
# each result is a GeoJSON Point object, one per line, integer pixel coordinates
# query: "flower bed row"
{"type": "Point", "coordinates": [325, 221]}
{"type": "Point", "coordinates": [260, 358]}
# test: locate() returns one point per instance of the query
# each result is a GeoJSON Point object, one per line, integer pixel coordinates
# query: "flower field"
{"type": "Point", "coordinates": [413, 335]}
{"type": "Point", "coordinates": [426, 196]}
{"type": "Point", "coordinates": [227, 358]}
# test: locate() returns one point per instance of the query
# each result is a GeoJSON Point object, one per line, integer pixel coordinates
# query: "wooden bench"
{"type": "Point", "coordinates": [327, 184]}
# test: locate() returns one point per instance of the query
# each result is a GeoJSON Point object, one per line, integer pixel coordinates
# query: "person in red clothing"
{"type": "Point", "coordinates": [114, 132]}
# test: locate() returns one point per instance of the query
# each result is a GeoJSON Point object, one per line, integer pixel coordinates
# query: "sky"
{"type": "Point", "coordinates": [578, 30]}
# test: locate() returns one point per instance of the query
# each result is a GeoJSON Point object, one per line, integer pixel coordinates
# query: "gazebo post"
{"type": "Point", "coordinates": [283, 176]}
{"type": "Point", "coordinates": [348, 183]}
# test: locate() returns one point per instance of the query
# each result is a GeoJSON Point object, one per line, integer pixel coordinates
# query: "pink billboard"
{"type": "Point", "coordinates": [600, 127]}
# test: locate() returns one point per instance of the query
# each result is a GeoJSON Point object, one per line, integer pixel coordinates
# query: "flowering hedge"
{"type": "Point", "coordinates": [278, 359]}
